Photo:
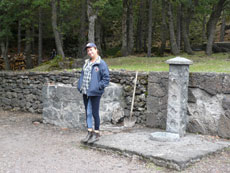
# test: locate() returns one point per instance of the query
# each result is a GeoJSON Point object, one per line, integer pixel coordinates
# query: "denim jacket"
{"type": "Point", "coordinates": [99, 78]}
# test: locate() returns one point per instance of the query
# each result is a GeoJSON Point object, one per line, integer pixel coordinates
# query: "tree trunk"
{"type": "Point", "coordinates": [29, 64]}
{"type": "Point", "coordinates": [222, 28]}
{"type": "Point", "coordinates": [178, 33]}
{"type": "Point", "coordinates": [187, 46]}
{"type": "Point", "coordinates": [130, 27]}
{"type": "Point", "coordinates": [59, 20]}
{"type": "Point", "coordinates": [163, 28]}
{"type": "Point", "coordinates": [19, 37]}
{"type": "Point", "coordinates": [174, 48]}
{"type": "Point", "coordinates": [32, 39]}
{"type": "Point", "coordinates": [145, 30]}
{"type": "Point", "coordinates": [4, 50]}
{"type": "Point", "coordinates": [56, 31]}
{"type": "Point", "coordinates": [82, 35]}
{"type": "Point", "coordinates": [40, 36]}
{"type": "Point", "coordinates": [98, 36]}
{"type": "Point", "coordinates": [141, 16]}
{"type": "Point", "coordinates": [211, 25]}
{"type": "Point", "coordinates": [150, 28]}
{"type": "Point", "coordinates": [189, 16]}
{"type": "Point", "coordinates": [124, 49]}
{"type": "Point", "coordinates": [103, 39]}
{"type": "Point", "coordinates": [92, 16]}
{"type": "Point", "coordinates": [204, 36]}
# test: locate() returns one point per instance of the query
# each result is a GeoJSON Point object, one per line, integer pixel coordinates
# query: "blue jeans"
{"type": "Point", "coordinates": [92, 104]}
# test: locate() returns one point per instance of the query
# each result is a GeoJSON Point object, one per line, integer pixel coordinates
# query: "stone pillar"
{"type": "Point", "coordinates": [177, 95]}
{"type": "Point", "coordinates": [177, 101]}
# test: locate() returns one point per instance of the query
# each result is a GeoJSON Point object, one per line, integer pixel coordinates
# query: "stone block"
{"type": "Point", "coordinates": [165, 136]}
{"type": "Point", "coordinates": [156, 120]}
{"type": "Point", "coordinates": [48, 91]}
{"type": "Point", "coordinates": [209, 82]}
{"type": "Point", "coordinates": [67, 92]}
{"type": "Point", "coordinates": [63, 105]}
{"type": "Point", "coordinates": [226, 84]}
{"type": "Point", "coordinates": [226, 102]}
{"type": "Point", "coordinates": [227, 114]}
{"type": "Point", "coordinates": [191, 97]}
{"type": "Point", "coordinates": [205, 113]}
{"type": "Point", "coordinates": [157, 90]}
{"type": "Point", "coordinates": [156, 77]}
{"type": "Point", "coordinates": [195, 126]}
{"type": "Point", "coordinates": [224, 127]}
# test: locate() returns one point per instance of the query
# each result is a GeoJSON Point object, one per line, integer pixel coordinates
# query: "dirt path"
{"type": "Point", "coordinates": [27, 147]}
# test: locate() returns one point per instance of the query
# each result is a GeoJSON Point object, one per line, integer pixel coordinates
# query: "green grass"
{"type": "Point", "coordinates": [50, 65]}
{"type": "Point", "coordinates": [219, 62]}
{"type": "Point", "coordinates": [201, 63]}
{"type": "Point", "coordinates": [138, 63]}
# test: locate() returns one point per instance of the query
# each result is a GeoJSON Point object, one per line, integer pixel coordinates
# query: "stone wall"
{"type": "Point", "coordinates": [126, 79]}
{"type": "Point", "coordinates": [22, 91]}
{"type": "Point", "coordinates": [208, 102]}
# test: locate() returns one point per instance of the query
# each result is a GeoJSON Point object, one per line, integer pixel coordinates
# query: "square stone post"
{"type": "Point", "coordinates": [177, 95]}
{"type": "Point", "coordinates": [177, 101]}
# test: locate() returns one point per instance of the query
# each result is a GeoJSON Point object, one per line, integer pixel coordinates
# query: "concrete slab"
{"type": "Point", "coordinates": [176, 155]}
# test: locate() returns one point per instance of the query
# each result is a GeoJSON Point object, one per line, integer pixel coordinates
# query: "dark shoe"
{"type": "Point", "coordinates": [95, 137]}
{"type": "Point", "coordinates": [89, 135]}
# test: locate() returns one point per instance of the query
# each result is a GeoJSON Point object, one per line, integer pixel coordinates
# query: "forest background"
{"type": "Point", "coordinates": [118, 27]}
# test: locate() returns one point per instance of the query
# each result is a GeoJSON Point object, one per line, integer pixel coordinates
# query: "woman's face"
{"type": "Point", "coordinates": [92, 52]}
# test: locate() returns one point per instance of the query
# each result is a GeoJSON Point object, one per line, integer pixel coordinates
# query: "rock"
{"type": "Point", "coordinates": [112, 101]}
{"type": "Point", "coordinates": [195, 126]}
{"type": "Point", "coordinates": [156, 89]}
{"type": "Point", "coordinates": [191, 97]}
{"type": "Point", "coordinates": [226, 103]}
{"type": "Point", "coordinates": [224, 127]}
{"type": "Point", "coordinates": [226, 84]}
{"type": "Point", "coordinates": [157, 120]}
{"type": "Point", "coordinates": [36, 123]}
{"type": "Point", "coordinates": [227, 114]}
{"type": "Point", "coordinates": [205, 113]}
{"type": "Point", "coordinates": [209, 82]}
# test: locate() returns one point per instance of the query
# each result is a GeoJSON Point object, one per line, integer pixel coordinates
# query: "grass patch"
{"type": "Point", "coordinates": [201, 63]}
{"type": "Point", "coordinates": [138, 63]}
{"type": "Point", "coordinates": [152, 166]}
{"type": "Point", "coordinates": [53, 65]}
{"type": "Point", "coordinates": [219, 62]}
{"type": "Point", "coordinates": [48, 65]}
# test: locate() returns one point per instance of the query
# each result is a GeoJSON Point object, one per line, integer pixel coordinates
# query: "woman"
{"type": "Point", "coordinates": [94, 78]}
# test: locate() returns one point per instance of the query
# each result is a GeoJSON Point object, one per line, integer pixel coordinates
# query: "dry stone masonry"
{"type": "Point", "coordinates": [22, 91]}
{"type": "Point", "coordinates": [208, 96]}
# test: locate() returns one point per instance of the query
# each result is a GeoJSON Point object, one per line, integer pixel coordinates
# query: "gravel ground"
{"type": "Point", "coordinates": [30, 147]}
